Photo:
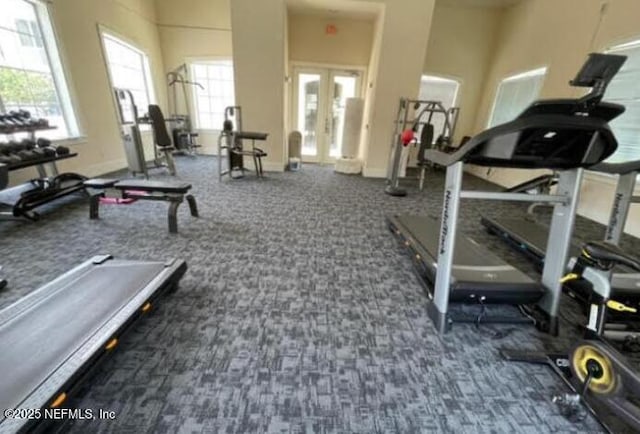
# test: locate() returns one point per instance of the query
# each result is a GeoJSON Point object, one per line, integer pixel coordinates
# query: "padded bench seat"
{"type": "Point", "coordinates": [173, 192]}
{"type": "Point", "coordinates": [153, 186]}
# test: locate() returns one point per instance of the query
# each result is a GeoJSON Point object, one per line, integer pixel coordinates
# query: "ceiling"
{"type": "Point", "coordinates": [363, 10]}
{"type": "Point", "coordinates": [358, 10]}
{"type": "Point", "coordinates": [481, 3]}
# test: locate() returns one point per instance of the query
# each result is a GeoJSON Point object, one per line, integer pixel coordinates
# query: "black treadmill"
{"type": "Point", "coordinates": [476, 271]}
{"type": "Point", "coordinates": [566, 135]}
{"type": "Point", "coordinates": [54, 336]}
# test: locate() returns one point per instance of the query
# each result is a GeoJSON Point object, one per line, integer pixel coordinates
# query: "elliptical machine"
{"type": "Point", "coordinates": [601, 378]}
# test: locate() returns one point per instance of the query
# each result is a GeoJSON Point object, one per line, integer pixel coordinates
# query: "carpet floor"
{"type": "Point", "coordinates": [300, 313]}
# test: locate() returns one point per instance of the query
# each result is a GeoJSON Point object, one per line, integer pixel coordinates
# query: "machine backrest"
{"type": "Point", "coordinates": [426, 141]}
{"type": "Point", "coordinates": [160, 132]}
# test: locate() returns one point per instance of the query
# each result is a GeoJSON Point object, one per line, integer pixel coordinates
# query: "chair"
{"type": "Point", "coordinates": [163, 146]}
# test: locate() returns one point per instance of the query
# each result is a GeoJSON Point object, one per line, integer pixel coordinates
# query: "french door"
{"type": "Point", "coordinates": [319, 99]}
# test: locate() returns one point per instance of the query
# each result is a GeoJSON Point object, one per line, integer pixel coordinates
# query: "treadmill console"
{"type": "Point", "coordinates": [555, 134]}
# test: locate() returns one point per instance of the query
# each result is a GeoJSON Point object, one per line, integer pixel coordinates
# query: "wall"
{"type": "Point", "coordinates": [75, 23]}
{"type": "Point", "coordinates": [194, 29]}
{"type": "Point", "coordinates": [400, 53]}
{"type": "Point", "coordinates": [559, 35]}
{"type": "Point", "coordinates": [308, 42]}
{"type": "Point", "coordinates": [461, 46]}
{"type": "Point", "coordinates": [259, 71]}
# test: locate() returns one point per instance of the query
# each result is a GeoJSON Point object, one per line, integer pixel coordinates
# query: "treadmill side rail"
{"type": "Point", "coordinates": [147, 280]}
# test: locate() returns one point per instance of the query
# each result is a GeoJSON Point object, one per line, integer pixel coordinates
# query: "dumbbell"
{"type": "Point", "coordinates": [27, 155]}
{"type": "Point", "coordinates": [43, 143]}
{"type": "Point", "coordinates": [48, 151]}
{"type": "Point", "coordinates": [28, 144]}
{"type": "Point", "coordinates": [39, 153]}
{"type": "Point", "coordinates": [14, 146]}
{"type": "Point", "coordinates": [62, 150]}
{"type": "Point", "coordinates": [13, 158]}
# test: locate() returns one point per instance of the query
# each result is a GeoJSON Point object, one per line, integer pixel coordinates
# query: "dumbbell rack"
{"type": "Point", "coordinates": [20, 201]}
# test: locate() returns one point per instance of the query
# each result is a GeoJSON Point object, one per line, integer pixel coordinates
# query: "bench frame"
{"type": "Point", "coordinates": [174, 199]}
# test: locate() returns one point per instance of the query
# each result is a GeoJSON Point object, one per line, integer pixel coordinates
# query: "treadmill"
{"type": "Point", "coordinates": [530, 237]}
{"type": "Point", "coordinates": [565, 135]}
{"type": "Point", "coordinates": [478, 275]}
{"type": "Point", "coordinates": [54, 337]}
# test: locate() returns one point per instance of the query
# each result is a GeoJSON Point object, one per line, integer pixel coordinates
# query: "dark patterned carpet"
{"type": "Point", "coordinates": [300, 313]}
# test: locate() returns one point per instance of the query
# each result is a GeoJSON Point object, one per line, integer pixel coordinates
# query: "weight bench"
{"type": "Point", "coordinates": [140, 189]}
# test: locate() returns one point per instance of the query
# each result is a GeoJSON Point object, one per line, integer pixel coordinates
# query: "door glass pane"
{"type": "Point", "coordinates": [308, 93]}
{"type": "Point", "coordinates": [343, 87]}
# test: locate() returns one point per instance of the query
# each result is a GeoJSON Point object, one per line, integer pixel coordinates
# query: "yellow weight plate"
{"type": "Point", "coordinates": [606, 383]}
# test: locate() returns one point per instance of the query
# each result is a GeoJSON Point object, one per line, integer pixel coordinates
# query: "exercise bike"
{"type": "Point", "coordinates": [602, 379]}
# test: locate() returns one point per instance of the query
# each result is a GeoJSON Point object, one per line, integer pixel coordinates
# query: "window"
{"type": "Point", "coordinates": [515, 94]}
{"type": "Point", "coordinates": [217, 92]}
{"type": "Point", "coordinates": [434, 88]}
{"type": "Point", "coordinates": [129, 69]}
{"type": "Point", "coordinates": [31, 74]}
{"type": "Point", "coordinates": [625, 89]}
{"type": "Point", "coordinates": [29, 33]}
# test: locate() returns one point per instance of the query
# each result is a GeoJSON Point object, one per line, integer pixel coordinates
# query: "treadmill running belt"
{"type": "Point", "coordinates": [476, 271]}
{"type": "Point", "coordinates": [42, 337]}
{"type": "Point", "coordinates": [532, 237]}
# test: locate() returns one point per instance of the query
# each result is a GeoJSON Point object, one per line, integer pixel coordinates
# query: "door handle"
{"type": "Point", "coordinates": [327, 127]}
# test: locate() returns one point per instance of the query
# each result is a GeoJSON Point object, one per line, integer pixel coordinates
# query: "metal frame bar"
{"type": "Point", "coordinates": [565, 208]}
{"type": "Point", "coordinates": [620, 210]}
{"type": "Point", "coordinates": [559, 243]}
{"type": "Point", "coordinates": [513, 197]}
{"type": "Point", "coordinates": [439, 307]}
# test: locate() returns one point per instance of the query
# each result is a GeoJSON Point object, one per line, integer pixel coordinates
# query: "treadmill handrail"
{"type": "Point", "coordinates": [617, 168]}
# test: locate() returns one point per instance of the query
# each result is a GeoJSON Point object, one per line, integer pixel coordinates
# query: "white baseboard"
{"type": "Point", "coordinates": [368, 172]}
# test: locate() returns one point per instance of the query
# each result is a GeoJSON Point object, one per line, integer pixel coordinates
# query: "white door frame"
{"type": "Point", "coordinates": [326, 72]}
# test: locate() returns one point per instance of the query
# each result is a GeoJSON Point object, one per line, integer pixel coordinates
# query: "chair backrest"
{"type": "Point", "coordinates": [160, 132]}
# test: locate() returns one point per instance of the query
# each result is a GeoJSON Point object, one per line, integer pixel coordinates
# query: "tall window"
{"type": "Point", "coordinates": [445, 90]}
{"type": "Point", "coordinates": [129, 69]}
{"type": "Point", "coordinates": [31, 74]}
{"type": "Point", "coordinates": [216, 78]}
{"type": "Point", "coordinates": [625, 89]}
{"type": "Point", "coordinates": [515, 94]}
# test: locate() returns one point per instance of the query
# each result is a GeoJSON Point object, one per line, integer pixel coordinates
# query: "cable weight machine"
{"type": "Point", "coordinates": [422, 124]}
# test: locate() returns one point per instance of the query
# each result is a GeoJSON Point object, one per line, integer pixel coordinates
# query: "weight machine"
{"type": "Point", "coordinates": [132, 140]}
{"type": "Point", "coordinates": [184, 138]}
{"type": "Point", "coordinates": [422, 123]}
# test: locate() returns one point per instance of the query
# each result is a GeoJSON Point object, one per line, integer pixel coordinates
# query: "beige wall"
{"type": "Point", "coordinates": [461, 46]}
{"type": "Point", "coordinates": [194, 29]}
{"type": "Point", "coordinates": [400, 56]}
{"type": "Point", "coordinates": [76, 26]}
{"type": "Point", "coordinates": [308, 42]}
{"type": "Point", "coordinates": [259, 70]}
{"type": "Point", "coordinates": [558, 35]}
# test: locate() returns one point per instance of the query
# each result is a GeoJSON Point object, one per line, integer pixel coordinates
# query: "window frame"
{"type": "Point", "coordinates": [104, 31]}
{"type": "Point", "coordinates": [443, 77]}
{"type": "Point", "coordinates": [55, 55]}
{"type": "Point", "coordinates": [629, 44]}
{"type": "Point", "coordinates": [541, 71]}
{"type": "Point", "coordinates": [193, 94]}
